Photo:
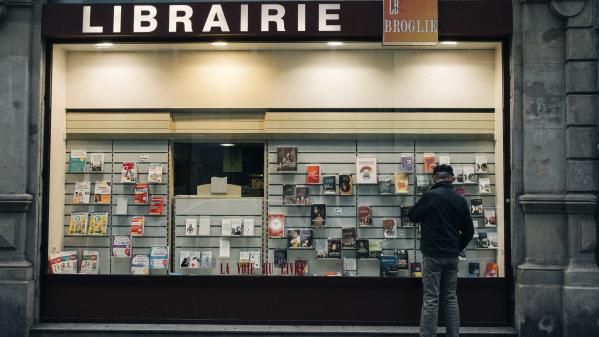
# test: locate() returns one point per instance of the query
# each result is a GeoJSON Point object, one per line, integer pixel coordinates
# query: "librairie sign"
{"type": "Point", "coordinates": [410, 22]}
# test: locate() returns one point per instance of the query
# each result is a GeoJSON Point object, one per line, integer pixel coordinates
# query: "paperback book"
{"type": "Point", "coordinates": [276, 225]}
{"type": "Point", "coordinates": [254, 259]}
{"type": "Point", "coordinates": [244, 257]}
{"type": "Point", "coordinates": [98, 223]}
{"type": "Point", "coordinates": [458, 172]}
{"type": "Point", "coordinates": [416, 269]}
{"type": "Point", "coordinates": [248, 226]}
{"type": "Point", "coordinates": [78, 223]}
{"type": "Point", "coordinates": [403, 258]}
{"type": "Point", "coordinates": [329, 184]}
{"type": "Point", "coordinates": [386, 184]}
{"type": "Point", "coordinates": [334, 248]}
{"type": "Point", "coordinates": [129, 172]}
{"type": "Point", "coordinates": [350, 266]}
{"type": "Point", "coordinates": [89, 262]}
{"type": "Point", "coordinates": [306, 236]}
{"type": "Point", "coordinates": [302, 196]}
{"type": "Point", "coordinates": [294, 239]}
{"type": "Point", "coordinates": [140, 265]}
{"type": "Point", "coordinates": [226, 227]}
{"type": "Point", "coordinates": [491, 269]}
{"type": "Point", "coordinates": [366, 170]}
{"type": "Point", "coordinates": [362, 249]}
{"type": "Point", "coordinates": [157, 205]}
{"type": "Point", "coordinates": [82, 190]}
{"type": "Point", "coordinates": [286, 159]}
{"type": "Point", "coordinates": [102, 192]}
{"type": "Point", "coordinates": [137, 225]}
{"type": "Point", "coordinates": [401, 183]}
{"type": "Point", "coordinates": [140, 196]}
{"type": "Point", "coordinates": [473, 269]}
{"type": "Point", "coordinates": [493, 242]}
{"type": "Point", "coordinates": [422, 184]}
{"type": "Point", "coordinates": [289, 197]}
{"type": "Point", "coordinates": [481, 166]}
{"type": "Point", "coordinates": [429, 162]}
{"type": "Point", "coordinates": [468, 172]}
{"type": "Point", "coordinates": [224, 248]}
{"type": "Point", "coordinates": [77, 161]}
{"type": "Point", "coordinates": [155, 174]}
{"type": "Point", "coordinates": [236, 227]}
{"type": "Point", "coordinates": [388, 266]}
{"type": "Point", "coordinates": [389, 228]}
{"type": "Point", "coordinates": [280, 258]}
{"type": "Point", "coordinates": [490, 217]}
{"type": "Point", "coordinates": [68, 262]}
{"type": "Point", "coordinates": [195, 260]}
{"type": "Point", "coordinates": [321, 248]}
{"type": "Point", "coordinates": [348, 237]}
{"type": "Point", "coordinates": [122, 203]}
{"type": "Point", "coordinates": [345, 184]}
{"type": "Point", "coordinates": [318, 215]}
{"type": "Point", "coordinates": [184, 259]}
{"type": "Point", "coordinates": [484, 185]}
{"type": "Point", "coordinates": [405, 216]}
{"type": "Point", "coordinates": [364, 215]}
{"type": "Point", "coordinates": [206, 262]}
{"type": "Point", "coordinates": [159, 257]}
{"type": "Point", "coordinates": [312, 174]}
{"type": "Point", "coordinates": [407, 163]}
{"type": "Point", "coordinates": [121, 246]}
{"type": "Point", "coordinates": [375, 248]}
{"type": "Point", "coordinates": [476, 207]}
{"type": "Point", "coordinates": [96, 162]}
{"type": "Point", "coordinates": [204, 226]}
{"type": "Point", "coordinates": [191, 227]}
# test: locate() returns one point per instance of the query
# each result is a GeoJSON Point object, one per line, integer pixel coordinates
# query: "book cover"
{"type": "Point", "coordinates": [345, 184]}
{"type": "Point", "coordinates": [294, 239]}
{"type": "Point", "coordinates": [403, 259]}
{"type": "Point", "coordinates": [407, 163]}
{"type": "Point", "coordinates": [493, 242]}
{"type": "Point", "coordinates": [157, 205]}
{"type": "Point", "coordinates": [140, 265]}
{"type": "Point", "coordinates": [98, 223]}
{"type": "Point", "coordinates": [195, 260]}
{"type": "Point", "coordinates": [81, 194]}
{"type": "Point", "coordinates": [302, 195]}
{"type": "Point", "coordinates": [389, 228]}
{"type": "Point", "coordinates": [405, 218]}
{"type": "Point", "coordinates": [159, 257]}
{"type": "Point", "coordinates": [386, 184]}
{"type": "Point", "coordinates": [416, 269]}
{"type": "Point", "coordinates": [224, 248]}
{"type": "Point", "coordinates": [122, 204]}
{"type": "Point", "coordinates": [364, 215]}
{"type": "Point", "coordinates": [350, 266]}
{"type": "Point", "coordinates": [321, 248]}
{"type": "Point", "coordinates": [78, 223]}
{"type": "Point", "coordinates": [318, 215]}
{"type": "Point", "coordinates": [306, 236]}
{"type": "Point", "coordinates": [89, 262]}
{"type": "Point", "coordinates": [226, 226]}
{"type": "Point", "coordinates": [366, 171]}
{"type": "Point", "coordinates": [155, 174]}
{"type": "Point", "coordinates": [286, 159]}
{"type": "Point", "coordinates": [244, 257]}
{"type": "Point", "coordinates": [401, 183]}
{"type": "Point", "coordinates": [191, 227]}
{"type": "Point", "coordinates": [481, 239]}
{"type": "Point", "coordinates": [248, 226]}
{"type": "Point", "coordinates": [422, 184]}
{"type": "Point", "coordinates": [137, 225]}
{"type": "Point", "coordinates": [484, 185]}
{"type": "Point", "coordinates": [375, 248]}
{"type": "Point", "coordinates": [458, 172]}
{"type": "Point", "coordinates": [280, 258]}
{"type": "Point", "coordinates": [204, 226]}
{"type": "Point", "coordinates": [68, 262]}
{"type": "Point", "coordinates": [276, 225]}
{"type": "Point", "coordinates": [348, 237]}
{"type": "Point", "coordinates": [184, 259]}
{"type": "Point", "coordinates": [255, 259]}
{"type": "Point", "coordinates": [490, 216]}
{"type": "Point", "coordinates": [121, 246]}
{"type": "Point", "coordinates": [329, 184]}
{"type": "Point", "coordinates": [129, 172]}
{"type": "Point", "coordinates": [476, 207]}
{"type": "Point", "coordinates": [206, 262]}
{"type": "Point", "coordinates": [312, 174]}
{"type": "Point", "coordinates": [491, 269]}
{"type": "Point", "coordinates": [77, 161]}
{"type": "Point", "coordinates": [362, 247]}
{"type": "Point", "coordinates": [481, 166]}
{"type": "Point", "coordinates": [429, 162]}
{"type": "Point", "coordinates": [468, 173]}
{"type": "Point", "coordinates": [388, 266]}
{"type": "Point", "coordinates": [334, 248]}
{"type": "Point", "coordinates": [289, 197]}
{"type": "Point", "coordinates": [102, 192]}
{"type": "Point", "coordinates": [96, 162]}
{"type": "Point", "coordinates": [141, 194]}
{"type": "Point", "coordinates": [473, 269]}
{"type": "Point", "coordinates": [54, 263]}
{"type": "Point", "coordinates": [236, 227]}
{"type": "Point", "coordinates": [444, 160]}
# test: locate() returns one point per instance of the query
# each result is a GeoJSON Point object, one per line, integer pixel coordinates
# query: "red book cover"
{"type": "Point", "coordinates": [137, 225]}
{"type": "Point", "coordinates": [156, 205]}
{"type": "Point", "coordinates": [313, 174]}
{"type": "Point", "coordinates": [141, 194]}
{"type": "Point", "coordinates": [276, 225]}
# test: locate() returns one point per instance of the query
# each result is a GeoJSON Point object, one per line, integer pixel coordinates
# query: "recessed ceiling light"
{"type": "Point", "coordinates": [335, 43]}
{"type": "Point", "coordinates": [219, 44]}
{"type": "Point", "coordinates": [227, 144]}
{"type": "Point", "coordinates": [449, 43]}
{"type": "Point", "coordinates": [104, 45]}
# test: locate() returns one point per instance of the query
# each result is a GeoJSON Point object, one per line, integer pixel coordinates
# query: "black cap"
{"type": "Point", "coordinates": [443, 168]}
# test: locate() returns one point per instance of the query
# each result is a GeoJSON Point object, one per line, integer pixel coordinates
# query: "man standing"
{"type": "Point", "coordinates": [446, 230]}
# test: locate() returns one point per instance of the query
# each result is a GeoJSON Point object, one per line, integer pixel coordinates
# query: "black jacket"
{"type": "Point", "coordinates": [445, 221]}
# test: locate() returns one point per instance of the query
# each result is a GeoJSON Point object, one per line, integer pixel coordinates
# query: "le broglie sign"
{"type": "Point", "coordinates": [313, 20]}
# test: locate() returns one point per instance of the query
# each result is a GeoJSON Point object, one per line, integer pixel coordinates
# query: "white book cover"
{"type": "Point", "coordinates": [236, 227]}
{"type": "Point", "coordinates": [248, 226]}
{"type": "Point", "coordinates": [159, 257]}
{"type": "Point", "coordinates": [484, 185]}
{"type": "Point", "coordinates": [458, 172]}
{"type": "Point", "coordinates": [140, 265]}
{"type": "Point", "coordinates": [68, 262]}
{"type": "Point", "coordinates": [97, 162]}
{"type": "Point", "coordinates": [155, 174]}
{"type": "Point", "coordinates": [196, 260]}
{"type": "Point", "coordinates": [184, 259]}
{"type": "Point", "coordinates": [224, 250]}
{"type": "Point", "coordinates": [121, 246]}
{"type": "Point", "coordinates": [206, 262]}
{"type": "Point", "coordinates": [255, 259]}
{"type": "Point", "coordinates": [366, 170]}
{"type": "Point", "coordinates": [244, 256]}
{"type": "Point", "coordinates": [204, 228]}
{"type": "Point", "coordinates": [469, 177]}
{"type": "Point", "coordinates": [191, 227]}
{"type": "Point", "coordinates": [226, 227]}
{"type": "Point", "coordinates": [121, 205]}
{"type": "Point", "coordinates": [102, 192]}
{"type": "Point", "coordinates": [481, 166]}
{"type": "Point", "coordinates": [89, 262]}
{"type": "Point", "coordinates": [444, 160]}
{"type": "Point", "coordinates": [82, 191]}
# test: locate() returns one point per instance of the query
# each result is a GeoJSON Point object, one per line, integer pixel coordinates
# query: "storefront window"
{"type": "Point", "coordinates": [269, 159]}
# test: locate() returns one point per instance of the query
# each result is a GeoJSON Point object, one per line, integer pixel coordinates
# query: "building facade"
{"type": "Point", "coordinates": [551, 170]}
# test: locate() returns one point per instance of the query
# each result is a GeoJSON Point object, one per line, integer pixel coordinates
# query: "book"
{"type": "Point", "coordinates": [276, 225]}
{"type": "Point", "coordinates": [334, 248]}
{"type": "Point", "coordinates": [416, 269]}
{"type": "Point", "coordinates": [350, 266]}
{"type": "Point", "coordinates": [473, 269]}
{"type": "Point", "coordinates": [244, 257]}
{"type": "Point", "coordinates": [122, 203]}
{"type": "Point", "coordinates": [348, 237]}
{"type": "Point", "coordinates": [362, 247]}
{"type": "Point", "coordinates": [206, 262]}
{"type": "Point", "coordinates": [137, 225]}
{"type": "Point", "coordinates": [280, 258]}
{"type": "Point", "coordinates": [458, 172]}
{"type": "Point", "coordinates": [248, 226]}
{"type": "Point", "coordinates": [195, 260]}
{"type": "Point", "coordinates": [389, 228]}
{"type": "Point", "coordinates": [224, 248]}
{"type": "Point", "coordinates": [286, 159]}
{"type": "Point", "coordinates": [403, 258]}
{"type": "Point", "coordinates": [81, 194]}
{"type": "Point", "coordinates": [429, 162]}
{"type": "Point", "coordinates": [54, 263]}
{"type": "Point", "coordinates": [121, 246]}
{"type": "Point", "coordinates": [184, 259]}
{"type": "Point", "coordinates": [422, 184]}
{"type": "Point", "coordinates": [191, 227]}
{"type": "Point", "coordinates": [159, 257]}
{"type": "Point", "coordinates": [374, 247]}
{"type": "Point", "coordinates": [468, 172]}
{"type": "Point", "coordinates": [321, 248]}
{"type": "Point", "coordinates": [401, 183]}
{"type": "Point", "coordinates": [405, 217]}
{"type": "Point", "coordinates": [289, 197]}
{"type": "Point", "coordinates": [364, 215]}
{"type": "Point", "coordinates": [388, 266]}
{"type": "Point", "coordinates": [89, 262]}
{"type": "Point", "coordinates": [386, 184]}
{"type": "Point", "coordinates": [98, 223]}
{"type": "Point", "coordinates": [236, 227]}
{"type": "Point", "coordinates": [493, 242]}
{"type": "Point", "coordinates": [68, 262]}
{"type": "Point", "coordinates": [294, 239]}
{"type": "Point", "coordinates": [318, 215]}
{"type": "Point", "coordinates": [102, 192]}
{"type": "Point", "coordinates": [491, 269]}
{"type": "Point", "coordinates": [140, 196]}
{"type": "Point", "coordinates": [77, 161]}
{"type": "Point", "coordinates": [484, 185]}
{"type": "Point", "coordinates": [329, 184]}
{"type": "Point", "coordinates": [490, 216]}
{"type": "Point", "coordinates": [226, 226]}
{"type": "Point", "coordinates": [366, 170]}
{"type": "Point", "coordinates": [129, 172]}
{"type": "Point", "coordinates": [476, 207]}
{"type": "Point", "coordinates": [156, 205]}
{"type": "Point", "coordinates": [302, 195]}
{"type": "Point", "coordinates": [345, 184]}
{"type": "Point", "coordinates": [78, 223]}
{"type": "Point", "coordinates": [482, 239]}
{"type": "Point", "coordinates": [155, 174]}
{"type": "Point", "coordinates": [96, 162]}
{"type": "Point", "coordinates": [204, 226]}
{"type": "Point", "coordinates": [481, 166]}
{"type": "Point", "coordinates": [444, 160]}
{"type": "Point", "coordinates": [407, 163]}
{"type": "Point", "coordinates": [312, 174]}
{"type": "Point", "coordinates": [140, 265]}
{"type": "Point", "coordinates": [306, 237]}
